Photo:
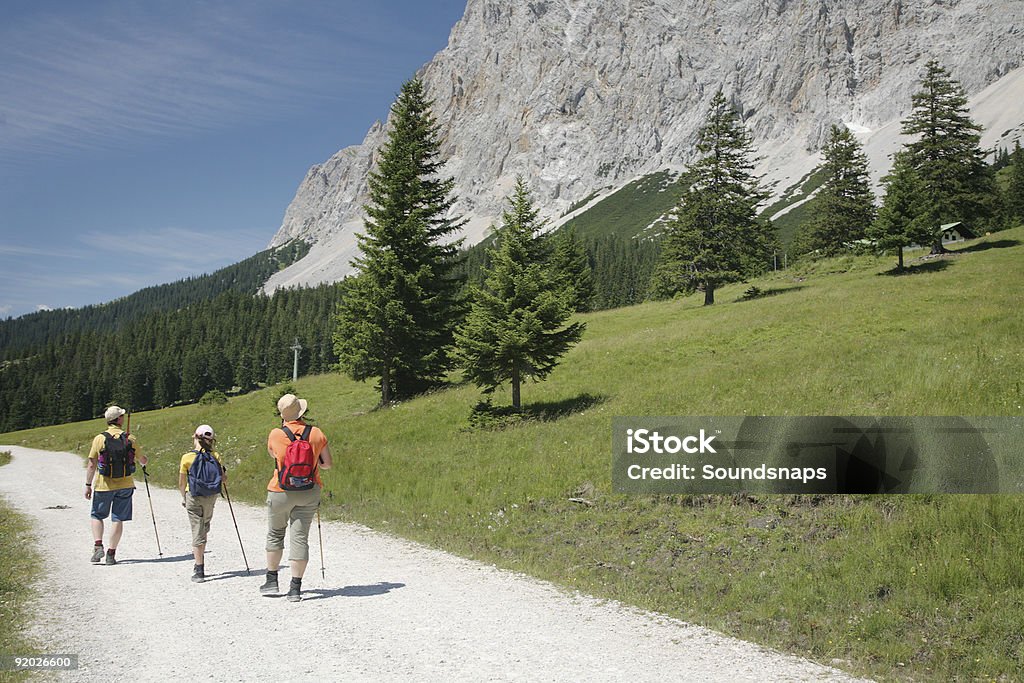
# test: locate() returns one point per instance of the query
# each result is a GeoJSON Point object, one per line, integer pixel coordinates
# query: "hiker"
{"type": "Point", "coordinates": [293, 494]}
{"type": "Point", "coordinates": [109, 483]}
{"type": "Point", "coordinates": [200, 477]}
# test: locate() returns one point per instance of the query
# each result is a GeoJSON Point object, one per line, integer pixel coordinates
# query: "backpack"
{"type": "Point", "coordinates": [297, 471]}
{"type": "Point", "coordinates": [204, 475]}
{"type": "Point", "coordinates": [117, 458]}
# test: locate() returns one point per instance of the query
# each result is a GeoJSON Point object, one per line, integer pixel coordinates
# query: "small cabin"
{"type": "Point", "coordinates": [956, 232]}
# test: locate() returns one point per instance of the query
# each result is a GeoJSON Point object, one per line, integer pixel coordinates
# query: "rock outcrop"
{"type": "Point", "coordinates": [584, 95]}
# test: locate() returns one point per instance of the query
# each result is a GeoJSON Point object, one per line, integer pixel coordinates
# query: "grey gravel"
{"type": "Point", "coordinates": [388, 609]}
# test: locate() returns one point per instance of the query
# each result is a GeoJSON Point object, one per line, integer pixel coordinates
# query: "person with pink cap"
{"type": "Point", "coordinates": [200, 478]}
{"type": "Point", "coordinates": [293, 493]}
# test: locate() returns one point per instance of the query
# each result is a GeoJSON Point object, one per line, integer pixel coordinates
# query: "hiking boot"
{"type": "Point", "coordinates": [270, 587]}
{"type": "Point", "coordinates": [197, 574]}
{"type": "Point", "coordinates": [110, 557]}
{"type": "Point", "coordinates": [97, 553]}
{"type": "Point", "coordinates": [295, 590]}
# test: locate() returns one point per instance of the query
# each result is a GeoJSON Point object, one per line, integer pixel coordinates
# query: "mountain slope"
{"type": "Point", "coordinates": [584, 95]}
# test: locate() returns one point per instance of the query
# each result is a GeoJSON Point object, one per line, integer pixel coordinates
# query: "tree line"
{"type": "Point", "coordinates": [607, 271]}
{"type": "Point", "coordinates": [939, 177]}
{"type": "Point", "coordinates": [248, 276]}
{"type": "Point", "coordinates": [234, 341]}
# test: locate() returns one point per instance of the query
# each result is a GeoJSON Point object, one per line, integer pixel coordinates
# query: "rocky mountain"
{"type": "Point", "coordinates": [582, 96]}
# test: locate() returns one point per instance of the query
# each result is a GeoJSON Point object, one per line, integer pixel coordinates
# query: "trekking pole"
{"type": "Point", "coordinates": [228, 497]}
{"type": "Point", "coordinates": [145, 477]}
{"type": "Point", "coordinates": [319, 531]}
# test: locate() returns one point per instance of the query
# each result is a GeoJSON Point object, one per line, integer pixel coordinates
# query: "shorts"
{"type": "Point", "coordinates": [291, 511]}
{"type": "Point", "coordinates": [118, 502]}
{"type": "Point", "coordinates": [200, 514]}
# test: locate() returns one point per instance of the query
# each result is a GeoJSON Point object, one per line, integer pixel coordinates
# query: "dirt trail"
{"type": "Point", "coordinates": [388, 609]}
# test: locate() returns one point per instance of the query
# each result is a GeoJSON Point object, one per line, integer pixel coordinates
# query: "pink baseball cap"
{"type": "Point", "coordinates": [205, 431]}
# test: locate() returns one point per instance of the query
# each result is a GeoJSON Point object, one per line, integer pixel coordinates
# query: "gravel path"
{"type": "Point", "coordinates": [388, 609]}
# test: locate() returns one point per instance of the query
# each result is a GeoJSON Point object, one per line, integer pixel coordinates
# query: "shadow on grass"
{"type": "Point", "coordinates": [985, 246]}
{"type": "Point", "coordinates": [758, 293]}
{"type": "Point", "coordinates": [553, 410]}
{"type": "Point", "coordinates": [439, 388]}
{"type": "Point", "coordinates": [352, 591]}
{"type": "Point", "coordinates": [934, 265]}
{"type": "Point", "coordinates": [487, 416]}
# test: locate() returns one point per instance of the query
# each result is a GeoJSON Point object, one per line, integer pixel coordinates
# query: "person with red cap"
{"type": "Point", "coordinates": [200, 478]}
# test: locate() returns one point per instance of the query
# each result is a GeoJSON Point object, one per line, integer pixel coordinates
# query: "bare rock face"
{"type": "Point", "coordinates": [585, 95]}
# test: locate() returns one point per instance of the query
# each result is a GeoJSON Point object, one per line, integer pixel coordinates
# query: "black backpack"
{"type": "Point", "coordinates": [117, 459]}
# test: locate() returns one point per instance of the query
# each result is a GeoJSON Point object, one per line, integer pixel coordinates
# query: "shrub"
{"type": "Point", "coordinates": [213, 397]}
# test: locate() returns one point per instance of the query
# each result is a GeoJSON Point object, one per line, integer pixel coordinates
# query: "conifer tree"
{"type": "Point", "coordinates": [397, 321]}
{"type": "Point", "coordinates": [514, 329]}
{"type": "Point", "coordinates": [572, 268]}
{"type": "Point", "coordinates": [902, 220]}
{"type": "Point", "coordinates": [1015, 191]}
{"type": "Point", "coordinates": [957, 183]}
{"type": "Point", "coordinates": [715, 236]}
{"type": "Point", "coordinates": [845, 206]}
{"type": "Point", "coordinates": [167, 384]}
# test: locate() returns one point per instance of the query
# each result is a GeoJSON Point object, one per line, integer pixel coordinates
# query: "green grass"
{"type": "Point", "coordinates": [789, 223]}
{"type": "Point", "coordinates": [633, 207]}
{"type": "Point", "coordinates": [904, 588]}
{"type": "Point", "coordinates": [20, 568]}
{"type": "Point", "coordinates": [629, 210]}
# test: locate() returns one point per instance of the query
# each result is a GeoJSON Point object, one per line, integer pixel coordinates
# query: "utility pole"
{"type": "Point", "coordinates": [296, 347]}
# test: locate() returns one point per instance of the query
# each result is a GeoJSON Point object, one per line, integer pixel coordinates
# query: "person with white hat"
{"type": "Point", "coordinates": [300, 451]}
{"type": "Point", "coordinates": [109, 483]}
{"type": "Point", "coordinates": [200, 477]}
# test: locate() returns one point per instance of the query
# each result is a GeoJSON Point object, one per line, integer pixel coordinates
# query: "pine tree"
{"type": "Point", "coordinates": [902, 219]}
{"type": "Point", "coordinates": [572, 268]}
{"type": "Point", "coordinates": [845, 206]}
{"type": "Point", "coordinates": [167, 384]}
{"type": "Point", "coordinates": [514, 329]}
{"type": "Point", "coordinates": [957, 183]}
{"type": "Point", "coordinates": [398, 319]}
{"type": "Point", "coordinates": [194, 381]}
{"type": "Point", "coordinates": [715, 237]}
{"type": "Point", "coordinates": [1015, 191]}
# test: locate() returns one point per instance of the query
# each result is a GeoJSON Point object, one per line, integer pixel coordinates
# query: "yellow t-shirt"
{"type": "Point", "coordinates": [103, 483]}
{"type": "Point", "coordinates": [189, 458]}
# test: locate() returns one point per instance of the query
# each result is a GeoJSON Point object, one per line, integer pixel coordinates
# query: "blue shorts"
{"type": "Point", "coordinates": [120, 500]}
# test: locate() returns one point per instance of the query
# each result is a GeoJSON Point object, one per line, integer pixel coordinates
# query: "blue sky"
{"type": "Point", "coordinates": [143, 142]}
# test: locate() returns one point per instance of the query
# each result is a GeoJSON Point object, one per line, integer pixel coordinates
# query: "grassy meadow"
{"type": "Point", "coordinates": [21, 565]}
{"type": "Point", "coordinates": [896, 587]}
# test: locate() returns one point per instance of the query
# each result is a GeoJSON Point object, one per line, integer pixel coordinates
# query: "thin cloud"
{"type": "Point", "coordinates": [20, 250]}
{"type": "Point", "coordinates": [175, 246]}
{"type": "Point", "coordinates": [93, 80]}
{"type": "Point", "coordinates": [145, 257]}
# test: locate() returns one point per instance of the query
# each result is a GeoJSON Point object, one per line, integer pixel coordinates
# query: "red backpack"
{"type": "Point", "coordinates": [297, 472]}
